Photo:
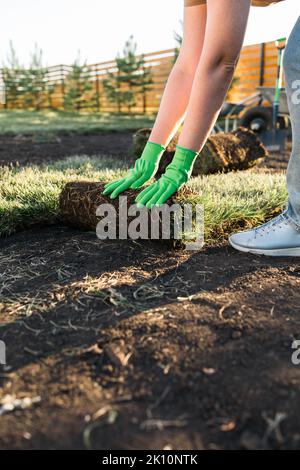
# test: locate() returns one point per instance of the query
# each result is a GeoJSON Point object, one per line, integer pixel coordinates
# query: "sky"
{"type": "Point", "coordinates": [99, 28]}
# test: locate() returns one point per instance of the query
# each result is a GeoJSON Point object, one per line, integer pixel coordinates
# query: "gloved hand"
{"type": "Point", "coordinates": [145, 167]}
{"type": "Point", "coordinates": [175, 176]}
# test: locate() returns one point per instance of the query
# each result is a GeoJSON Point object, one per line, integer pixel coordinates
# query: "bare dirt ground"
{"type": "Point", "coordinates": [24, 150]}
{"type": "Point", "coordinates": [128, 345]}
{"type": "Point", "coordinates": [173, 349]}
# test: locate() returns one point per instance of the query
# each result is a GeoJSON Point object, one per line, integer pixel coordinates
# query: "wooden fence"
{"type": "Point", "coordinates": [257, 66]}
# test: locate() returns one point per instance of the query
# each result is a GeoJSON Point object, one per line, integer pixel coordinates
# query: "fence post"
{"type": "Point", "coordinates": [2, 90]}
{"type": "Point", "coordinates": [97, 90]}
{"type": "Point", "coordinates": [144, 93]}
{"type": "Point", "coordinates": [262, 64]}
{"type": "Point", "coordinates": [119, 104]}
{"type": "Point", "coordinates": [62, 85]}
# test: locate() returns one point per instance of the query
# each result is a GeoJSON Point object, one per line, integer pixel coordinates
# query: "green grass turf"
{"type": "Point", "coordinates": [14, 122]}
{"type": "Point", "coordinates": [30, 195]}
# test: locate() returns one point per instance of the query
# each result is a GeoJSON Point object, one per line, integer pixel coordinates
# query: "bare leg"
{"type": "Point", "coordinates": [178, 88]}
{"type": "Point", "coordinates": [225, 29]}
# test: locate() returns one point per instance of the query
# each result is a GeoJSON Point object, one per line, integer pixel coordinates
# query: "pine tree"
{"type": "Point", "coordinates": [78, 86]}
{"type": "Point", "coordinates": [26, 86]}
{"type": "Point", "coordinates": [131, 78]}
{"type": "Point", "coordinates": [12, 75]}
{"type": "Point", "coordinates": [34, 84]}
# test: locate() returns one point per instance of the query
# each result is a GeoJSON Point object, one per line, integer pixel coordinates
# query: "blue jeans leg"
{"type": "Point", "coordinates": [292, 78]}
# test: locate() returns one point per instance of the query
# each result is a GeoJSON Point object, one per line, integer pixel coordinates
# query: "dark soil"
{"type": "Point", "coordinates": [34, 150]}
{"type": "Point", "coordinates": [129, 345]}
{"type": "Point", "coordinates": [25, 149]}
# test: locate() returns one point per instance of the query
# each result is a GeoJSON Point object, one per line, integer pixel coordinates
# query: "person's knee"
{"type": "Point", "coordinates": [225, 62]}
{"type": "Point", "coordinates": [187, 63]}
{"type": "Point", "coordinates": [187, 69]}
{"type": "Point", "coordinates": [229, 64]}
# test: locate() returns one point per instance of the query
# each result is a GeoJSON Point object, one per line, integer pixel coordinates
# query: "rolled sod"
{"type": "Point", "coordinates": [237, 150]}
{"type": "Point", "coordinates": [79, 201]}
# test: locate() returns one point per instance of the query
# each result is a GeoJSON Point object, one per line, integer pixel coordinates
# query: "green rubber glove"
{"type": "Point", "coordinates": [175, 176]}
{"type": "Point", "coordinates": [145, 167]}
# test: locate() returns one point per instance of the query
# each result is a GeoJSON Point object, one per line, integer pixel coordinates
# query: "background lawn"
{"type": "Point", "coordinates": [14, 122]}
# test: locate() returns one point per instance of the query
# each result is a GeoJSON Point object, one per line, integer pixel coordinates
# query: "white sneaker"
{"type": "Point", "coordinates": [278, 237]}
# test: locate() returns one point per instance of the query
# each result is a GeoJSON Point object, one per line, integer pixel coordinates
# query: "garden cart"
{"type": "Point", "coordinates": [265, 112]}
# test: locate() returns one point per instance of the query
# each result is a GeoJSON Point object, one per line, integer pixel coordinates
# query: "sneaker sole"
{"type": "Point", "coordinates": [280, 252]}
